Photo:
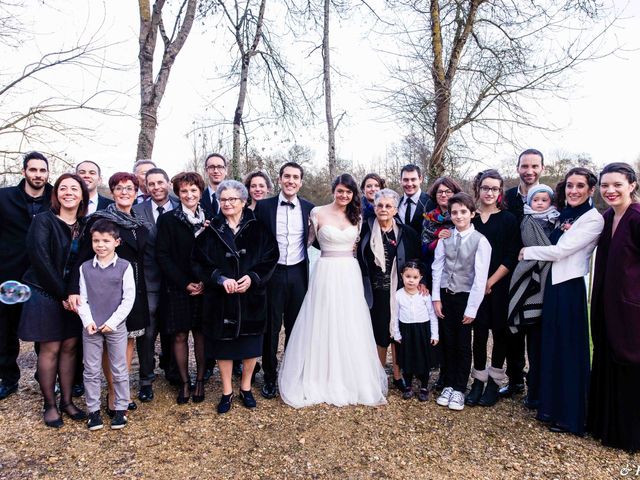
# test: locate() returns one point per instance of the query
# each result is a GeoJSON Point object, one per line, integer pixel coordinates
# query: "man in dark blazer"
{"type": "Point", "coordinates": [530, 167]}
{"type": "Point", "coordinates": [157, 185]}
{"type": "Point", "coordinates": [287, 217]}
{"type": "Point", "coordinates": [414, 202]}
{"type": "Point", "coordinates": [216, 166]}
{"type": "Point", "coordinates": [18, 206]}
{"type": "Point", "coordinates": [90, 172]}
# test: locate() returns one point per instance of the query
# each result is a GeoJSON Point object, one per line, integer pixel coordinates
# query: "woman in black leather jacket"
{"type": "Point", "coordinates": [52, 243]}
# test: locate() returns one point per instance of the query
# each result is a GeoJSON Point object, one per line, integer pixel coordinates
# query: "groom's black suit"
{"type": "Point", "coordinates": [287, 287]}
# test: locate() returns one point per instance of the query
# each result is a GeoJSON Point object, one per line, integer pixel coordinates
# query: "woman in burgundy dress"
{"type": "Point", "coordinates": [614, 413]}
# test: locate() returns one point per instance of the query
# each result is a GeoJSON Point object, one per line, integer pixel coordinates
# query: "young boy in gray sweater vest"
{"type": "Point", "coordinates": [107, 292]}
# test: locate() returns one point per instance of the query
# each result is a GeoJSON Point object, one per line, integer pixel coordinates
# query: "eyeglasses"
{"type": "Point", "coordinates": [490, 189]}
{"type": "Point", "coordinates": [216, 167]}
{"type": "Point", "coordinates": [128, 188]}
{"type": "Point", "coordinates": [382, 206]}
{"type": "Point", "coordinates": [230, 200]}
{"type": "Point", "coordinates": [446, 193]}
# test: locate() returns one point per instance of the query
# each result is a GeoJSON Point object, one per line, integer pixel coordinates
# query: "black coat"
{"type": "Point", "coordinates": [425, 204]}
{"type": "Point", "coordinates": [514, 203]}
{"type": "Point", "coordinates": [15, 219]}
{"type": "Point", "coordinates": [218, 255]}
{"type": "Point", "coordinates": [266, 212]}
{"type": "Point", "coordinates": [408, 248]}
{"type": "Point", "coordinates": [103, 202]}
{"type": "Point", "coordinates": [51, 257]}
{"type": "Point", "coordinates": [132, 248]}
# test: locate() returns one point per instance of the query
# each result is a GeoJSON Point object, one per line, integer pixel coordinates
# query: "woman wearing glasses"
{"type": "Point", "coordinates": [234, 258]}
{"type": "Point", "coordinates": [501, 228]}
{"type": "Point", "coordinates": [134, 234]}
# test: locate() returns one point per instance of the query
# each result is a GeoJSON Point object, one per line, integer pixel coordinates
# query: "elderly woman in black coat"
{"type": "Point", "coordinates": [234, 258]}
{"type": "Point", "coordinates": [385, 245]}
{"type": "Point", "coordinates": [182, 302]}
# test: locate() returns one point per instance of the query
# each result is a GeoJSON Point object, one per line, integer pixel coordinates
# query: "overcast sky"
{"type": "Point", "coordinates": [599, 118]}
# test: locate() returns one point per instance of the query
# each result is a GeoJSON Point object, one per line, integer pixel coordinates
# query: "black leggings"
{"type": "Point", "coordinates": [480, 339]}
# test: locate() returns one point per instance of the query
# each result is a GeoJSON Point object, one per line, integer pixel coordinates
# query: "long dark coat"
{"type": "Point", "coordinates": [218, 254]}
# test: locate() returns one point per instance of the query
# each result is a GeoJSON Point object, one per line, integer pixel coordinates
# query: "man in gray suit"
{"type": "Point", "coordinates": [158, 186]}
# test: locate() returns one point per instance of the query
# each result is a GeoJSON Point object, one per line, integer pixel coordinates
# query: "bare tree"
{"type": "Point", "coordinates": [473, 70]}
{"type": "Point", "coordinates": [152, 90]}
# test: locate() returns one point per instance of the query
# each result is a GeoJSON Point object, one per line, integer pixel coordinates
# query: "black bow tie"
{"type": "Point", "coordinates": [287, 204]}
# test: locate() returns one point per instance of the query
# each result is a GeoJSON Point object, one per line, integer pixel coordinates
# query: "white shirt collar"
{"type": "Point", "coordinates": [96, 262]}
{"type": "Point", "coordinates": [281, 198]}
{"type": "Point", "coordinates": [415, 198]}
{"type": "Point", "coordinates": [166, 205]}
{"type": "Point", "coordinates": [467, 232]}
{"type": "Point", "coordinates": [94, 199]}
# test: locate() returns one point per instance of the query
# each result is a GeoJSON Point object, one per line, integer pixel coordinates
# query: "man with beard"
{"type": "Point", "coordinates": [18, 206]}
{"type": "Point", "coordinates": [530, 168]}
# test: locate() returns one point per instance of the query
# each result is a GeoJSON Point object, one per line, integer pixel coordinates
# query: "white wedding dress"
{"type": "Point", "coordinates": [331, 356]}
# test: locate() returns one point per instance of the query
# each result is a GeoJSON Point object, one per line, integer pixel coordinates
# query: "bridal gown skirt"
{"type": "Point", "coordinates": [331, 356]}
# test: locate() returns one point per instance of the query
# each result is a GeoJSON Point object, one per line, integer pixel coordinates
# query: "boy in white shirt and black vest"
{"type": "Point", "coordinates": [460, 271]}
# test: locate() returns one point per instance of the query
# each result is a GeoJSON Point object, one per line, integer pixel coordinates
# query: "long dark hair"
{"type": "Point", "coordinates": [626, 170]}
{"type": "Point", "coordinates": [353, 208]}
{"type": "Point", "coordinates": [494, 175]}
{"type": "Point", "coordinates": [561, 194]}
{"type": "Point", "coordinates": [84, 203]}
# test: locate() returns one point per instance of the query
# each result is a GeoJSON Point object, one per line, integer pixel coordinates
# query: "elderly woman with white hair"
{"type": "Point", "coordinates": [385, 246]}
{"type": "Point", "coordinates": [234, 258]}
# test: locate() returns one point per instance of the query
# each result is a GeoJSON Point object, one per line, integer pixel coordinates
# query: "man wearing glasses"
{"type": "Point", "coordinates": [216, 166]}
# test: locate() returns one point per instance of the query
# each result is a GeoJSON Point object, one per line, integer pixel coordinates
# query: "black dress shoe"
{"type": "Point", "coordinates": [77, 390]}
{"type": "Point", "coordinates": [183, 397]}
{"type": "Point", "coordinates": [248, 400]}
{"type": "Point", "coordinates": [490, 396]}
{"type": "Point", "coordinates": [511, 389]}
{"type": "Point", "coordinates": [269, 390]}
{"type": "Point", "coordinates": [132, 406]}
{"type": "Point", "coordinates": [7, 389]}
{"type": "Point", "coordinates": [56, 422]}
{"type": "Point", "coordinates": [198, 392]}
{"type": "Point", "coordinates": [477, 387]}
{"type": "Point", "coordinates": [145, 394]}
{"type": "Point", "coordinates": [225, 403]}
{"type": "Point", "coordinates": [76, 415]}
{"type": "Point", "coordinates": [400, 384]}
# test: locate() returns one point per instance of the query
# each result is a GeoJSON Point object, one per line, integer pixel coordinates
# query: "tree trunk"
{"type": "Point", "coordinates": [152, 91]}
{"type": "Point", "coordinates": [237, 116]}
{"type": "Point", "coordinates": [326, 70]}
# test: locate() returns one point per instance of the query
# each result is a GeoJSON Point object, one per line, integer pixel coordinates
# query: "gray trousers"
{"type": "Point", "coordinates": [146, 344]}
{"type": "Point", "coordinates": [92, 346]}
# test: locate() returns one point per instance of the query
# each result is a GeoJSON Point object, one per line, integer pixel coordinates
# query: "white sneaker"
{"type": "Point", "coordinates": [456, 402]}
{"type": "Point", "coordinates": [445, 397]}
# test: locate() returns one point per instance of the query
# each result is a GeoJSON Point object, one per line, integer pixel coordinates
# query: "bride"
{"type": "Point", "coordinates": [331, 356]}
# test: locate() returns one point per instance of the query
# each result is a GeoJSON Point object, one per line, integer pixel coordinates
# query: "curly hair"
{"type": "Point", "coordinates": [353, 208]}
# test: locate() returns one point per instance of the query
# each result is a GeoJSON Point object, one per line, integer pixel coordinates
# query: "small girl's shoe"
{"type": "Point", "coordinates": [423, 395]}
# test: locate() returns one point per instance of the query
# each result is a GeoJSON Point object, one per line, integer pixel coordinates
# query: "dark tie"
{"type": "Point", "coordinates": [407, 212]}
{"type": "Point", "coordinates": [214, 204]}
{"type": "Point", "coordinates": [160, 210]}
{"type": "Point", "coordinates": [287, 204]}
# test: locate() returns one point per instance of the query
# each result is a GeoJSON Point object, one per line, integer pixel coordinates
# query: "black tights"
{"type": "Point", "coordinates": [423, 377]}
{"type": "Point", "coordinates": [57, 359]}
{"type": "Point", "coordinates": [181, 354]}
{"type": "Point", "coordinates": [480, 340]}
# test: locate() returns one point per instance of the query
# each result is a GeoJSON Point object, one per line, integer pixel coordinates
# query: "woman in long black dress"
{"type": "Point", "coordinates": [47, 318]}
{"type": "Point", "coordinates": [564, 350]}
{"type": "Point", "coordinates": [182, 303]}
{"type": "Point", "coordinates": [500, 227]}
{"type": "Point", "coordinates": [613, 412]}
{"type": "Point", "coordinates": [234, 258]}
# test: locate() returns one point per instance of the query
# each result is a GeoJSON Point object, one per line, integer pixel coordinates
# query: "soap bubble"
{"type": "Point", "coordinates": [14, 292]}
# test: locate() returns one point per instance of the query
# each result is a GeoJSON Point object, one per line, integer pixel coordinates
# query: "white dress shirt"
{"type": "Point", "coordinates": [154, 208]}
{"type": "Point", "coordinates": [290, 232]}
{"type": "Point", "coordinates": [481, 268]}
{"type": "Point", "coordinates": [415, 199]}
{"type": "Point", "coordinates": [413, 309]}
{"type": "Point", "coordinates": [117, 319]}
{"type": "Point", "coordinates": [93, 204]}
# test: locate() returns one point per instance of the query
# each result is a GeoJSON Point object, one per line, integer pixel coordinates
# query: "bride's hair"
{"type": "Point", "coordinates": [353, 209]}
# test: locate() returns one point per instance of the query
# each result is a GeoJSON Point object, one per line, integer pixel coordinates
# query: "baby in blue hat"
{"type": "Point", "coordinates": [539, 206]}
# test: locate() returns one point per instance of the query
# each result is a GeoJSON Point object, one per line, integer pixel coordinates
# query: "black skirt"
{"type": "Point", "coordinates": [381, 316]}
{"type": "Point", "coordinates": [45, 320]}
{"type": "Point", "coordinates": [414, 349]}
{"type": "Point", "coordinates": [246, 346]}
{"type": "Point", "coordinates": [181, 312]}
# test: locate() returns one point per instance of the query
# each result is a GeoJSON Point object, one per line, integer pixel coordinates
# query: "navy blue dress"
{"type": "Point", "coordinates": [565, 364]}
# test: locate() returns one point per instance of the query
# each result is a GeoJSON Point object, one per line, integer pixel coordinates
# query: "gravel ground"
{"type": "Point", "coordinates": [404, 439]}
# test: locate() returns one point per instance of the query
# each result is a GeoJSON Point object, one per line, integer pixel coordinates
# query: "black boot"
{"type": "Point", "coordinates": [475, 393]}
{"type": "Point", "coordinates": [490, 396]}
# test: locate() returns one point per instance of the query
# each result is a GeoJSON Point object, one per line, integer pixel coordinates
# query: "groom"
{"type": "Point", "coordinates": [287, 217]}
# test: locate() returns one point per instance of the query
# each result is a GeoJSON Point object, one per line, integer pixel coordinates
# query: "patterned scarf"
{"type": "Point", "coordinates": [195, 220]}
{"type": "Point", "coordinates": [120, 218]}
{"type": "Point", "coordinates": [434, 222]}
